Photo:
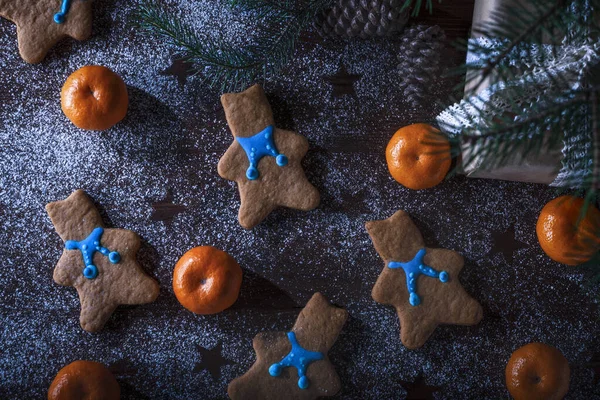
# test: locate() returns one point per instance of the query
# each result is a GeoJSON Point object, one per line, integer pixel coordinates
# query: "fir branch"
{"type": "Point", "coordinates": [534, 27]}
{"type": "Point", "coordinates": [532, 129]}
{"type": "Point", "coordinates": [416, 6]}
{"type": "Point", "coordinates": [550, 51]}
{"type": "Point", "coordinates": [265, 9]}
{"type": "Point", "coordinates": [516, 28]}
{"type": "Point", "coordinates": [226, 66]}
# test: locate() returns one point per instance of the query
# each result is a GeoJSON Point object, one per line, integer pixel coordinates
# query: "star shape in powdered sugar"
{"type": "Point", "coordinates": [122, 368]}
{"type": "Point", "coordinates": [342, 82]}
{"type": "Point", "coordinates": [440, 298]}
{"type": "Point", "coordinates": [165, 210]}
{"type": "Point", "coordinates": [211, 360]}
{"type": "Point", "coordinates": [594, 364]}
{"type": "Point", "coordinates": [180, 68]}
{"type": "Point", "coordinates": [506, 243]}
{"type": "Point", "coordinates": [419, 390]}
{"type": "Point", "coordinates": [37, 32]}
{"type": "Point", "coordinates": [275, 184]}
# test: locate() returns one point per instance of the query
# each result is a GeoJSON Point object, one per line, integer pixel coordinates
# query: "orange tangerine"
{"type": "Point", "coordinates": [537, 371]}
{"type": "Point", "coordinates": [566, 237]}
{"type": "Point", "coordinates": [418, 156]}
{"type": "Point", "coordinates": [207, 280]}
{"type": "Point", "coordinates": [94, 98]}
{"type": "Point", "coordinates": [84, 380]}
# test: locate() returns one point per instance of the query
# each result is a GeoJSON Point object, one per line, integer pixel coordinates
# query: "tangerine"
{"type": "Point", "coordinates": [94, 98]}
{"type": "Point", "coordinates": [84, 380]}
{"type": "Point", "coordinates": [566, 236]}
{"type": "Point", "coordinates": [537, 371]}
{"type": "Point", "coordinates": [207, 280]}
{"type": "Point", "coordinates": [418, 156]}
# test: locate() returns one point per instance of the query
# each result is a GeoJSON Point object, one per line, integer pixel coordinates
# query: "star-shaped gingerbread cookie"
{"type": "Point", "coordinates": [264, 161]}
{"type": "Point", "coordinates": [42, 23]}
{"type": "Point", "coordinates": [420, 282]}
{"type": "Point", "coordinates": [294, 365]}
{"type": "Point", "coordinates": [99, 262]}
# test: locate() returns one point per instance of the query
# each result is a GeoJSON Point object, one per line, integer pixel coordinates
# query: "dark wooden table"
{"type": "Point", "coordinates": [155, 173]}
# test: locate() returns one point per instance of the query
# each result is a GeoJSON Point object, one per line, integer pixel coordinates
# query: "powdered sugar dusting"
{"type": "Point", "coordinates": [172, 139]}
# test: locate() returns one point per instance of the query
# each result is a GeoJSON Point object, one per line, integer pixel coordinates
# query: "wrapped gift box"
{"type": "Point", "coordinates": [544, 167]}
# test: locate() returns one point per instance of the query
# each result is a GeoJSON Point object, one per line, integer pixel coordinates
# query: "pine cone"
{"type": "Point", "coordinates": [362, 18]}
{"type": "Point", "coordinates": [420, 61]}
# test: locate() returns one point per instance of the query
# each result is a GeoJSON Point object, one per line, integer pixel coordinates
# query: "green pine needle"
{"type": "Point", "coordinates": [416, 6]}
{"type": "Point", "coordinates": [496, 135]}
{"type": "Point", "coordinates": [231, 68]}
{"type": "Point", "coordinates": [227, 67]}
{"type": "Point", "coordinates": [499, 134]}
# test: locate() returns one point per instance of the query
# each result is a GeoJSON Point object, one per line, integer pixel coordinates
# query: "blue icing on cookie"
{"type": "Point", "coordinates": [413, 269]}
{"type": "Point", "coordinates": [260, 145]}
{"type": "Point", "coordinates": [88, 247]}
{"type": "Point", "coordinates": [299, 358]}
{"type": "Point", "coordinates": [59, 17]}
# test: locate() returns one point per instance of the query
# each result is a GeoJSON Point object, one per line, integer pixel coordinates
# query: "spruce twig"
{"type": "Point", "coordinates": [226, 66]}
{"type": "Point", "coordinates": [513, 121]}
{"type": "Point", "coordinates": [543, 94]}
{"type": "Point", "coordinates": [416, 6]}
{"type": "Point", "coordinates": [536, 26]}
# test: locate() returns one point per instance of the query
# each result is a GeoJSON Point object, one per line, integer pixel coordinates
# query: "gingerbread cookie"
{"type": "Point", "coordinates": [42, 23]}
{"type": "Point", "coordinates": [420, 282]}
{"type": "Point", "coordinates": [100, 263]}
{"type": "Point", "coordinates": [294, 365]}
{"type": "Point", "coordinates": [264, 161]}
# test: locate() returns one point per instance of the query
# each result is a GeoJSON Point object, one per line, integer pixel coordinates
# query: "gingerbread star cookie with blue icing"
{"type": "Point", "coordinates": [265, 161]}
{"type": "Point", "coordinates": [294, 365]}
{"type": "Point", "coordinates": [99, 262]}
{"type": "Point", "coordinates": [43, 23]}
{"type": "Point", "coordinates": [420, 282]}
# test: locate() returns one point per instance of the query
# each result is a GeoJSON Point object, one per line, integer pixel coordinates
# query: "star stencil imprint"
{"type": "Point", "coordinates": [165, 210]}
{"type": "Point", "coordinates": [342, 82]}
{"type": "Point", "coordinates": [37, 30]}
{"type": "Point", "coordinates": [180, 68]}
{"type": "Point", "coordinates": [211, 360]}
{"type": "Point", "coordinates": [419, 390]}
{"type": "Point", "coordinates": [425, 301]}
{"type": "Point", "coordinates": [295, 365]}
{"type": "Point", "coordinates": [100, 263]}
{"type": "Point", "coordinates": [264, 161]}
{"type": "Point", "coordinates": [507, 244]}
{"type": "Point", "coordinates": [595, 365]}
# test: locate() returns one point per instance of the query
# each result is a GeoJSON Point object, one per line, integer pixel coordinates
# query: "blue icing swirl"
{"type": "Point", "coordinates": [88, 247]}
{"type": "Point", "coordinates": [299, 358]}
{"type": "Point", "coordinates": [258, 146]}
{"type": "Point", "coordinates": [413, 269]}
{"type": "Point", "coordinates": [59, 17]}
